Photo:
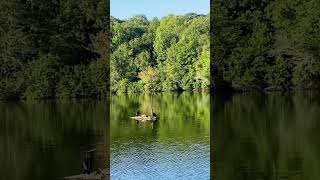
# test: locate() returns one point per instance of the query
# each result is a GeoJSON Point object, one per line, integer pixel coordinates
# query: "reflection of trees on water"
{"type": "Point", "coordinates": [46, 139]}
{"type": "Point", "coordinates": [183, 125]}
{"type": "Point", "coordinates": [266, 137]}
{"type": "Point", "coordinates": [180, 115]}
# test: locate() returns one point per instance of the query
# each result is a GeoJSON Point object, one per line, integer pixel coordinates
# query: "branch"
{"type": "Point", "coordinates": [92, 50]}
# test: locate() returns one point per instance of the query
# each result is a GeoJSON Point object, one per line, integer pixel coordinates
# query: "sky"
{"type": "Point", "coordinates": [124, 9]}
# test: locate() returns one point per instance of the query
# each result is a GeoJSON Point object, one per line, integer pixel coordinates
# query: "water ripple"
{"type": "Point", "coordinates": [135, 160]}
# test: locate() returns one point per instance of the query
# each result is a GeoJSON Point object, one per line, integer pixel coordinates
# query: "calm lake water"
{"type": "Point", "coordinates": [266, 137]}
{"type": "Point", "coordinates": [175, 147]}
{"type": "Point", "coordinates": [47, 139]}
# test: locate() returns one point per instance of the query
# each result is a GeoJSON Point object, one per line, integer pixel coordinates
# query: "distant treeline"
{"type": "Point", "coordinates": [169, 54]}
{"type": "Point", "coordinates": [53, 49]}
{"type": "Point", "coordinates": [266, 44]}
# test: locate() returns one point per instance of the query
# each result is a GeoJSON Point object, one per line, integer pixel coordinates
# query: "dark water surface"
{"type": "Point", "coordinates": [47, 140]}
{"type": "Point", "coordinates": [266, 137]}
{"type": "Point", "coordinates": [175, 147]}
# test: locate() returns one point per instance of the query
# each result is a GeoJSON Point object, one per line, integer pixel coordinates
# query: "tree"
{"type": "Point", "coordinates": [150, 78]}
{"type": "Point", "coordinates": [40, 40]}
{"type": "Point", "coordinates": [160, 54]}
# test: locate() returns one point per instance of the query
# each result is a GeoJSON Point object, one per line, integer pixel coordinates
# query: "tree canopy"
{"type": "Point", "coordinates": [54, 48]}
{"type": "Point", "coordinates": [266, 44]}
{"type": "Point", "coordinates": [160, 55]}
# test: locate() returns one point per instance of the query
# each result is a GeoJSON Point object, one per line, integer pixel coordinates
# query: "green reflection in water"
{"type": "Point", "coordinates": [177, 145]}
{"type": "Point", "coordinates": [46, 139]}
{"type": "Point", "coordinates": [273, 136]}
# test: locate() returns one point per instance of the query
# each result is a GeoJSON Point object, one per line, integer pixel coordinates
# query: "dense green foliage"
{"type": "Point", "coordinates": [160, 55]}
{"type": "Point", "coordinates": [266, 44]}
{"type": "Point", "coordinates": [54, 48]}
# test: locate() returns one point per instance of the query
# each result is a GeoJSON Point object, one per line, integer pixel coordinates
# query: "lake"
{"type": "Point", "coordinates": [267, 137]}
{"type": "Point", "coordinates": [48, 139]}
{"type": "Point", "coordinates": [177, 146]}
{"type": "Point", "coordinates": [272, 136]}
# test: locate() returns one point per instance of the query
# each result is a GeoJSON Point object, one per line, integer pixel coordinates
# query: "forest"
{"type": "Point", "coordinates": [265, 45]}
{"type": "Point", "coordinates": [170, 54]}
{"type": "Point", "coordinates": [54, 49]}
{"type": "Point", "coordinates": [58, 49]}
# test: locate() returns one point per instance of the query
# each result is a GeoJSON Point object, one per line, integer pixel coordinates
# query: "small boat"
{"type": "Point", "coordinates": [144, 118]}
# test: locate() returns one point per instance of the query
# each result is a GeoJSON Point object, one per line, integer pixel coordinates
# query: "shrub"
{"type": "Point", "coordinates": [41, 77]}
{"type": "Point", "coordinates": [136, 87]}
{"type": "Point", "coordinates": [99, 77]}
{"type": "Point", "coordinates": [123, 86]}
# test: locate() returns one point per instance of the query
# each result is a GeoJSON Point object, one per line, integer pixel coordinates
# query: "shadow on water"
{"type": "Point", "coordinates": [47, 139]}
{"type": "Point", "coordinates": [272, 136]}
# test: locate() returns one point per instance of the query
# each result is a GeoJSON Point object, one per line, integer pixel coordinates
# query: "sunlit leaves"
{"type": "Point", "coordinates": [168, 49]}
